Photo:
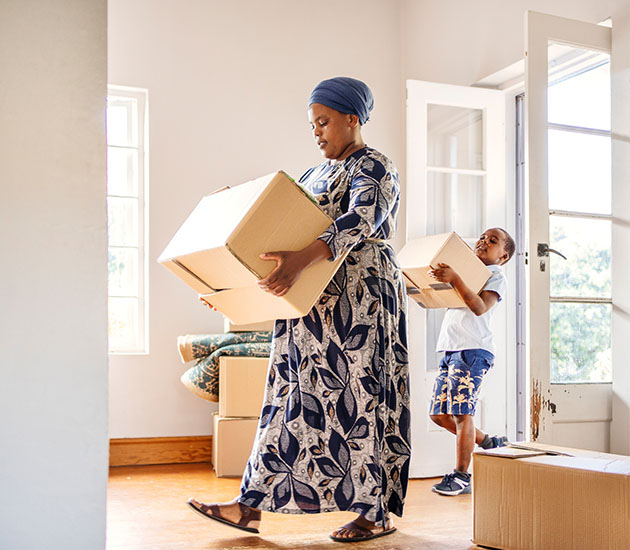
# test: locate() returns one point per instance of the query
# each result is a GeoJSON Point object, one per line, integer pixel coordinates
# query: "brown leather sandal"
{"type": "Point", "coordinates": [212, 511]}
{"type": "Point", "coordinates": [363, 533]}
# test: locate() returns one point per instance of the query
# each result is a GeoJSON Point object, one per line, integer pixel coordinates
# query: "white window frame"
{"type": "Point", "coordinates": [142, 149]}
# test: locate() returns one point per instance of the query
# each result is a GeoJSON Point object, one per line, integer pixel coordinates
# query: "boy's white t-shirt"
{"type": "Point", "coordinates": [462, 329]}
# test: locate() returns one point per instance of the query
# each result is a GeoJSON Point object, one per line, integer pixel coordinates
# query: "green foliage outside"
{"type": "Point", "coordinates": [580, 333]}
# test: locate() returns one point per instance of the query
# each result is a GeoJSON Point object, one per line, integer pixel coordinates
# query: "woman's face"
{"type": "Point", "coordinates": [333, 131]}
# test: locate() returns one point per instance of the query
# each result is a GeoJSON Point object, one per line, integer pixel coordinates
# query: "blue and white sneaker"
{"type": "Point", "coordinates": [492, 442]}
{"type": "Point", "coordinates": [456, 483]}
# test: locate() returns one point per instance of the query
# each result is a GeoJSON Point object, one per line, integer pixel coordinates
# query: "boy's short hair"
{"type": "Point", "coordinates": [508, 244]}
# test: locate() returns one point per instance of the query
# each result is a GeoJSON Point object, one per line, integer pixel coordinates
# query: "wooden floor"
{"type": "Point", "coordinates": [146, 511]}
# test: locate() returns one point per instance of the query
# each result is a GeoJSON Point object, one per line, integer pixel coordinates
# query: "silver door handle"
{"type": "Point", "coordinates": [543, 250]}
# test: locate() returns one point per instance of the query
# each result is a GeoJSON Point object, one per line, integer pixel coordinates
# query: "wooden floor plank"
{"type": "Point", "coordinates": [147, 511]}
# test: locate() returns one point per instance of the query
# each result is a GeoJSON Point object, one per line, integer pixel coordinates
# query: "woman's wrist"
{"type": "Point", "coordinates": [317, 250]}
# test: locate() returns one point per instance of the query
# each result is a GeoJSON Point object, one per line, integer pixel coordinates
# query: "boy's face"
{"type": "Point", "coordinates": [490, 248]}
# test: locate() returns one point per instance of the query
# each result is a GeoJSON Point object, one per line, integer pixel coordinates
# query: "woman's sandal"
{"type": "Point", "coordinates": [362, 533]}
{"type": "Point", "coordinates": [212, 511]}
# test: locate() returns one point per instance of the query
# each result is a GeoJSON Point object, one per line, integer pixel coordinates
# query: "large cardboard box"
{"type": "Point", "coordinates": [528, 499]}
{"type": "Point", "coordinates": [264, 326]}
{"type": "Point", "coordinates": [418, 256]}
{"type": "Point", "coordinates": [242, 382]}
{"type": "Point", "coordinates": [232, 442]}
{"type": "Point", "coordinates": [216, 250]}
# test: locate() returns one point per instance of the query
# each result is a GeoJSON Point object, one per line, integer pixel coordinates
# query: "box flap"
{"type": "Point", "coordinates": [510, 452]}
{"type": "Point", "coordinates": [441, 297]}
{"type": "Point", "coordinates": [420, 252]}
{"type": "Point", "coordinates": [213, 220]}
{"type": "Point", "coordinates": [610, 464]}
{"type": "Point", "coordinates": [251, 304]}
{"type": "Point", "coordinates": [565, 457]}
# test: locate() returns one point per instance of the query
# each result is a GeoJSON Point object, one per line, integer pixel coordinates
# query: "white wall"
{"type": "Point", "coordinates": [228, 88]}
{"type": "Point", "coordinates": [53, 321]}
{"type": "Point", "coordinates": [457, 42]}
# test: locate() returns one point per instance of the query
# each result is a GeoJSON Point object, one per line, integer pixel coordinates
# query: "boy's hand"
{"type": "Point", "coordinates": [444, 273]}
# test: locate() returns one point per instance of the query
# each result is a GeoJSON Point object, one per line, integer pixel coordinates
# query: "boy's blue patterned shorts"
{"type": "Point", "coordinates": [458, 381]}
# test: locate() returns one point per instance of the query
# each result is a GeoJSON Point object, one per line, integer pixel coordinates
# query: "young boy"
{"type": "Point", "coordinates": [466, 339]}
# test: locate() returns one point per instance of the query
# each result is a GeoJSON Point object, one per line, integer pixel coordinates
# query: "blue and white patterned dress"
{"type": "Point", "coordinates": [334, 428]}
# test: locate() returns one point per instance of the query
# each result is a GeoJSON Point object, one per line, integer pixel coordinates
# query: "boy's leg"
{"type": "Point", "coordinates": [447, 421]}
{"type": "Point", "coordinates": [465, 372]}
{"type": "Point", "coordinates": [465, 440]}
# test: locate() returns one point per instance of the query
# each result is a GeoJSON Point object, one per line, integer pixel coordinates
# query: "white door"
{"type": "Point", "coordinates": [567, 103]}
{"type": "Point", "coordinates": [455, 182]}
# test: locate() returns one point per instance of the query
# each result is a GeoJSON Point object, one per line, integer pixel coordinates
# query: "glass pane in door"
{"type": "Point", "coordinates": [580, 343]}
{"type": "Point", "coordinates": [586, 244]}
{"type": "Point", "coordinates": [454, 203]}
{"type": "Point", "coordinates": [579, 87]}
{"type": "Point", "coordinates": [454, 137]}
{"type": "Point", "coordinates": [579, 172]}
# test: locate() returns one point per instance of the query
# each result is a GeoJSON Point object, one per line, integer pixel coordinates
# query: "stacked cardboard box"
{"type": "Point", "coordinates": [242, 383]}
{"type": "Point", "coordinates": [419, 256]}
{"type": "Point", "coordinates": [263, 326]}
{"type": "Point", "coordinates": [542, 497]}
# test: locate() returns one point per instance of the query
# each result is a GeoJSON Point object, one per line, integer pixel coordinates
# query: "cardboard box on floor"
{"type": "Point", "coordinates": [418, 256]}
{"type": "Point", "coordinates": [242, 382]}
{"type": "Point", "coordinates": [527, 499]}
{"type": "Point", "coordinates": [216, 250]}
{"type": "Point", "coordinates": [232, 441]}
{"type": "Point", "coordinates": [264, 326]}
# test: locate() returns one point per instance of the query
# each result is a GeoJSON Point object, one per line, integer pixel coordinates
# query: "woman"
{"type": "Point", "coordinates": [334, 428]}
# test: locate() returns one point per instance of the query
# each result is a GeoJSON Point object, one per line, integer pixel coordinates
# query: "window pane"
{"type": "Point", "coordinates": [581, 99]}
{"type": "Point", "coordinates": [455, 137]}
{"type": "Point", "coordinates": [123, 324]}
{"type": "Point", "coordinates": [580, 343]}
{"type": "Point", "coordinates": [122, 221]}
{"type": "Point", "coordinates": [122, 172]}
{"type": "Point", "coordinates": [122, 121]}
{"type": "Point", "coordinates": [455, 203]}
{"type": "Point", "coordinates": [586, 244]}
{"type": "Point", "coordinates": [579, 172]}
{"type": "Point", "coordinates": [123, 271]}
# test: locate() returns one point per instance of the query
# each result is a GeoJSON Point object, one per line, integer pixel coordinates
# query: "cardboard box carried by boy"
{"type": "Point", "coordinates": [216, 250]}
{"type": "Point", "coordinates": [419, 256]}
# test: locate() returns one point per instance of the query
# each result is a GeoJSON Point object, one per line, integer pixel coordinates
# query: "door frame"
{"type": "Point", "coordinates": [426, 458]}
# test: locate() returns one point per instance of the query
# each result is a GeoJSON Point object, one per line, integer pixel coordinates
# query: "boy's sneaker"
{"type": "Point", "coordinates": [492, 442]}
{"type": "Point", "coordinates": [457, 483]}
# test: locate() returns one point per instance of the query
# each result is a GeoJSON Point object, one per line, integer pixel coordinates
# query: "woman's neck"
{"type": "Point", "coordinates": [352, 147]}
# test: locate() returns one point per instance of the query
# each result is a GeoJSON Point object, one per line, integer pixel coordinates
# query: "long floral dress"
{"type": "Point", "coordinates": [334, 428]}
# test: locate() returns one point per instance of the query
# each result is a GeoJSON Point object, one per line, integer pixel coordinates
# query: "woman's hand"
{"type": "Point", "coordinates": [289, 265]}
{"type": "Point", "coordinates": [444, 273]}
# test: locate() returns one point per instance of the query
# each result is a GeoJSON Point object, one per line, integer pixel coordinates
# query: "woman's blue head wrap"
{"type": "Point", "coordinates": [346, 95]}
